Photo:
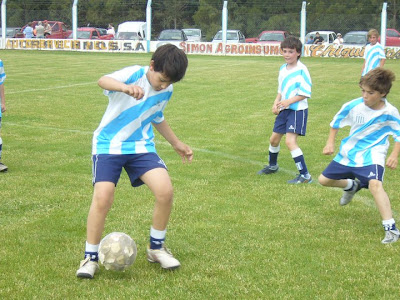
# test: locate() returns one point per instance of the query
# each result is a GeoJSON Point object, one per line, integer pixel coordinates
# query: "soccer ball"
{"type": "Point", "coordinates": [117, 251]}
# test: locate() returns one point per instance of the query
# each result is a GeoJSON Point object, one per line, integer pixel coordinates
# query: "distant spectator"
{"type": "Point", "coordinates": [310, 40]}
{"type": "Point", "coordinates": [39, 30]}
{"type": "Point", "coordinates": [47, 28]}
{"type": "Point", "coordinates": [110, 29]}
{"type": "Point", "coordinates": [338, 40]}
{"type": "Point", "coordinates": [318, 39]}
{"type": "Point", "coordinates": [28, 31]}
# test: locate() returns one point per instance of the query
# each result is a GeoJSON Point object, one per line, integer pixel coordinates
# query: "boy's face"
{"type": "Point", "coordinates": [373, 39]}
{"type": "Point", "coordinates": [372, 98]}
{"type": "Point", "coordinates": [157, 79]}
{"type": "Point", "coordinates": [290, 55]}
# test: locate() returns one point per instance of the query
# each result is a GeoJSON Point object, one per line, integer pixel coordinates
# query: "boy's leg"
{"type": "Point", "coordinates": [3, 167]}
{"type": "Point", "coordinates": [273, 152]}
{"type": "Point", "coordinates": [298, 157]}
{"type": "Point", "coordinates": [383, 203]}
{"type": "Point", "coordinates": [160, 184]}
{"type": "Point", "coordinates": [103, 197]}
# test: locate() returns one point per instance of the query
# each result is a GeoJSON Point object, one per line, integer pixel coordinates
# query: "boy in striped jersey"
{"type": "Point", "coordinates": [291, 108]}
{"type": "Point", "coordinates": [125, 139]}
{"type": "Point", "coordinates": [360, 162]}
{"type": "Point", "coordinates": [374, 54]}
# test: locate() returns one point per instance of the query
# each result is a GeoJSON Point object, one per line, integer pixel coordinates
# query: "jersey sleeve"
{"type": "Point", "coordinates": [344, 115]}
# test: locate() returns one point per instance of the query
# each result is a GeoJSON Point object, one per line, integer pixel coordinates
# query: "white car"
{"type": "Point", "coordinates": [232, 36]}
{"type": "Point", "coordinates": [328, 36]}
{"type": "Point", "coordinates": [193, 34]}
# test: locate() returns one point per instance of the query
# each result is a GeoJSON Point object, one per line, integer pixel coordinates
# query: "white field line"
{"type": "Point", "coordinates": [367, 201]}
{"type": "Point", "coordinates": [50, 88]}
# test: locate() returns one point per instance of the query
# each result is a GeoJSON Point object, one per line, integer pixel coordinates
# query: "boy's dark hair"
{"type": "Point", "coordinates": [379, 79]}
{"type": "Point", "coordinates": [292, 42]}
{"type": "Point", "coordinates": [170, 61]}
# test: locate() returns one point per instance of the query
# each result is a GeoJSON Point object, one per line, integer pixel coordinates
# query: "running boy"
{"type": "Point", "coordinates": [3, 167]}
{"type": "Point", "coordinates": [374, 54]}
{"type": "Point", "coordinates": [125, 139]}
{"type": "Point", "coordinates": [291, 108]}
{"type": "Point", "coordinates": [362, 154]}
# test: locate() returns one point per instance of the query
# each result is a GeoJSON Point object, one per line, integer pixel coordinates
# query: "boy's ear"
{"type": "Point", "coordinates": [151, 65]}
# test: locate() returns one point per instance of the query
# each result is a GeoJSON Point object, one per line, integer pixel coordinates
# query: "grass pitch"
{"type": "Point", "coordinates": [238, 235]}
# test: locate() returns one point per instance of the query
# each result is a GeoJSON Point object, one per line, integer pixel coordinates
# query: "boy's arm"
{"type": "Point", "coordinates": [3, 98]}
{"type": "Point", "coordinates": [182, 149]}
{"type": "Point", "coordinates": [382, 62]}
{"type": "Point", "coordinates": [363, 66]}
{"type": "Point", "coordinates": [111, 84]}
{"type": "Point", "coordinates": [392, 160]}
{"type": "Point", "coordinates": [329, 148]}
{"type": "Point", "coordinates": [286, 103]}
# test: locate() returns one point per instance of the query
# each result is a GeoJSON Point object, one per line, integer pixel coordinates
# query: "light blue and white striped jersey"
{"type": "Point", "coordinates": [2, 76]}
{"type": "Point", "coordinates": [373, 55]}
{"type": "Point", "coordinates": [126, 125]}
{"type": "Point", "coordinates": [294, 82]}
{"type": "Point", "coordinates": [368, 141]}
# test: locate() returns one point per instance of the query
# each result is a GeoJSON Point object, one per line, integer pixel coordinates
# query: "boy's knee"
{"type": "Point", "coordinates": [375, 185]}
{"type": "Point", "coordinates": [323, 180]}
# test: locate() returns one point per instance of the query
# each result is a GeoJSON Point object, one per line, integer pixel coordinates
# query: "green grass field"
{"type": "Point", "coordinates": [238, 235]}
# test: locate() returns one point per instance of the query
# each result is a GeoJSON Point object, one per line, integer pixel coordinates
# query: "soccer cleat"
{"type": "Point", "coordinates": [301, 179]}
{"type": "Point", "coordinates": [164, 257]}
{"type": "Point", "coordinates": [391, 236]}
{"type": "Point", "coordinates": [348, 195]}
{"type": "Point", "coordinates": [87, 268]}
{"type": "Point", "coordinates": [268, 170]}
{"type": "Point", "coordinates": [3, 167]}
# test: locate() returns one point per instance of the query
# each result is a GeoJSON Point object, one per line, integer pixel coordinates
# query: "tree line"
{"type": "Point", "coordinates": [250, 16]}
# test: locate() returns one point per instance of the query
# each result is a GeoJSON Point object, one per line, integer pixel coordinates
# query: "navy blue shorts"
{"type": "Point", "coordinates": [293, 121]}
{"type": "Point", "coordinates": [337, 171]}
{"type": "Point", "coordinates": [108, 167]}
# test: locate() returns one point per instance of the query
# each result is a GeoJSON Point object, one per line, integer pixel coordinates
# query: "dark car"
{"type": "Point", "coordinates": [11, 32]}
{"type": "Point", "coordinates": [356, 38]}
{"type": "Point", "coordinates": [172, 35]}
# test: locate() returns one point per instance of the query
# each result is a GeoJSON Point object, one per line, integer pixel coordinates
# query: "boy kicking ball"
{"type": "Point", "coordinates": [360, 162]}
{"type": "Point", "coordinates": [125, 140]}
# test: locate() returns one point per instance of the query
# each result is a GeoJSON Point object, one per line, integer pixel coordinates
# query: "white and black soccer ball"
{"type": "Point", "coordinates": [117, 251]}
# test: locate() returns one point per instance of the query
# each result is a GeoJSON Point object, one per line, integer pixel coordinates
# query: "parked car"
{"type": "Point", "coordinates": [173, 35]}
{"type": "Point", "coordinates": [168, 36]}
{"type": "Point", "coordinates": [232, 36]}
{"type": "Point", "coordinates": [11, 32]}
{"type": "Point", "coordinates": [193, 34]}
{"type": "Point", "coordinates": [392, 37]}
{"type": "Point", "coordinates": [90, 33]}
{"type": "Point", "coordinates": [269, 36]}
{"type": "Point", "coordinates": [58, 30]}
{"type": "Point", "coordinates": [356, 38]}
{"type": "Point", "coordinates": [329, 36]}
{"type": "Point", "coordinates": [131, 30]}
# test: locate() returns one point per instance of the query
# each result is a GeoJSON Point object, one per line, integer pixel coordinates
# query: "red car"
{"type": "Point", "coordinates": [91, 33]}
{"type": "Point", "coordinates": [58, 30]}
{"type": "Point", "coordinates": [392, 37]}
{"type": "Point", "coordinates": [269, 36]}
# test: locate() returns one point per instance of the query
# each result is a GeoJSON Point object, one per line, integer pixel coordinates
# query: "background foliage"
{"type": "Point", "coordinates": [250, 16]}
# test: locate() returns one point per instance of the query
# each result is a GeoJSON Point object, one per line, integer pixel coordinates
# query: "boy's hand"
{"type": "Point", "coordinates": [3, 108]}
{"type": "Point", "coordinates": [392, 161]}
{"type": "Point", "coordinates": [275, 109]}
{"type": "Point", "coordinates": [184, 151]}
{"type": "Point", "coordinates": [329, 149]}
{"type": "Point", "coordinates": [134, 91]}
